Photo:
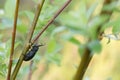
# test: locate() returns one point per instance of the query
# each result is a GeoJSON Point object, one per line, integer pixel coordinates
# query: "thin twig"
{"type": "Point", "coordinates": [13, 40]}
{"type": "Point", "coordinates": [33, 25]}
{"type": "Point", "coordinates": [17, 67]}
{"type": "Point", "coordinates": [87, 56]}
{"type": "Point", "coordinates": [30, 70]}
{"type": "Point", "coordinates": [50, 22]}
{"type": "Point", "coordinates": [27, 46]}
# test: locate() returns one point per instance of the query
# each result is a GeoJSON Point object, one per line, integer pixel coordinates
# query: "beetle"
{"type": "Point", "coordinates": [30, 54]}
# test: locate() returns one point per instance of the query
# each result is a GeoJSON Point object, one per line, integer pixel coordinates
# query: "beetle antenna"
{"type": "Point", "coordinates": [40, 45]}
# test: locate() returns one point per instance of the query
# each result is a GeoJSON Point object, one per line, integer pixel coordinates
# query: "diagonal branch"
{"type": "Point", "coordinates": [50, 22]}
{"type": "Point", "coordinates": [30, 34]}
{"type": "Point", "coordinates": [33, 25]}
{"type": "Point", "coordinates": [27, 46]}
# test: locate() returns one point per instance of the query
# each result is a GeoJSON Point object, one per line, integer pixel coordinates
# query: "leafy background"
{"type": "Point", "coordinates": [65, 40]}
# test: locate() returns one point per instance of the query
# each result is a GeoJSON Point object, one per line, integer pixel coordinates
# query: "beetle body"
{"type": "Point", "coordinates": [30, 54]}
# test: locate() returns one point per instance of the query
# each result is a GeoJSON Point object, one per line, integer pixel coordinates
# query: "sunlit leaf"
{"type": "Point", "coordinates": [10, 8]}
{"type": "Point", "coordinates": [22, 28]}
{"type": "Point", "coordinates": [115, 24]}
{"type": "Point", "coordinates": [74, 40]}
{"type": "Point", "coordinates": [91, 9]}
{"type": "Point", "coordinates": [116, 27]}
{"type": "Point", "coordinates": [3, 70]}
{"type": "Point", "coordinates": [29, 14]}
{"type": "Point", "coordinates": [81, 49]}
{"type": "Point", "coordinates": [51, 46]}
{"type": "Point", "coordinates": [58, 30]}
{"type": "Point", "coordinates": [54, 58]}
{"type": "Point", "coordinates": [96, 23]}
{"type": "Point", "coordinates": [95, 46]}
{"type": "Point", "coordinates": [110, 6]}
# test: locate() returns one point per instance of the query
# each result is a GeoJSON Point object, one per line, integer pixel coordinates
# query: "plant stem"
{"type": "Point", "coordinates": [30, 70]}
{"type": "Point", "coordinates": [50, 22]}
{"type": "Point", "coordinates": [18, 65]}
{"type": "Point", "coordinates": [13, 40]}
{"type": "Point", "coordinates": [27, 46]}
{"type": "Point", "coordinates": [87, 56]}
{"type": "Point", "coordinates": [33, 25]}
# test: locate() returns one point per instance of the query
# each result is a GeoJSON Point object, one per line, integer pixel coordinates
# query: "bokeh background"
{"type": "Point", "coordinates": [59, 58]}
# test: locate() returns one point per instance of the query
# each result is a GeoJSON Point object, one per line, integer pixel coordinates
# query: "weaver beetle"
{"type": "Point", "coordinates": [30, 54]}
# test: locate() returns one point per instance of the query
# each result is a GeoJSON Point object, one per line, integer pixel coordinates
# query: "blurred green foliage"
{"type": "Point", "coordinates": [77, 19]}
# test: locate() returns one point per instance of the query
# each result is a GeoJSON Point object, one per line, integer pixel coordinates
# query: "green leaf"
{"type": "Point", "coordinates": [22, 28]}
{"type": "Point", "coordinates": [74, 40]}
{"type": "Point", "coordinates": [29, 14]}
{"type": "Point", "coordinates": [52, 53]}
{"type": "Point", "coordinates": [58, 30]}
{"type": "Point", "coordinates": [83, 12]}
{"type": "Point", "coordinates": [69, 19]}
{"type": "Point", "coordinates": [75, 17]}
{"type": "Point", "coordinates": [3, 70]}
{"type": "Point", "coordinates": [81, 30]}
{"type": "Point", "coordinates": [95, 46]}
{"type": "Point", "coordinates": [115, 24]}
{"type": "Point", "coordinates": [54, 58]}
{"type": "Point", "coordinates": [107, 25]}
{"type": "Point", "coordinates": [10, 8]}
{"type": "Point", "coordinates": [51, 46]}
{"type": "Point", "coordinates": [81, 49]}
{"type": "Point", "coordinates": [67, 36]}
{"type": "Point", "coordinates": [91, 9]}
{"type": "Point", "coordinates": [94, 24]}
{"type": "Point", "coordinates": [116, 27]}
{"type": "Point", "coordinates": [110, 7]}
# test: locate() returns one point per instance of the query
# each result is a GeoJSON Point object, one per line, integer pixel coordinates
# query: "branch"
{"type": "Point", "coordinates": [87, 56]}
{"type": "Point", "coordinates": [33, 25]}
{"type": "Point", "coordinates": [30, 70]}
{"type": "Point", "coordinates": [13, 40]}
{"type": "Point", "coordinates": [27, 46]}
{"type": "Point", "coordinates": [50, 22]}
